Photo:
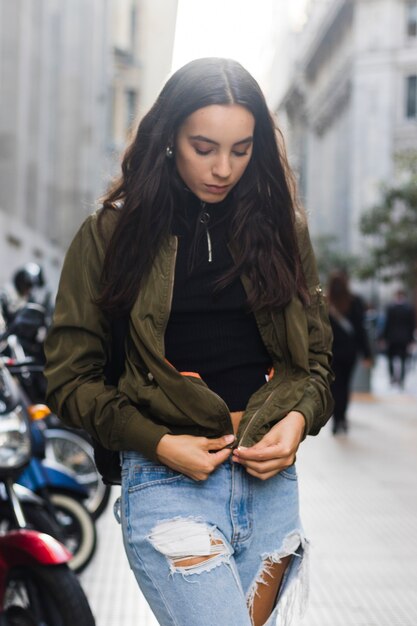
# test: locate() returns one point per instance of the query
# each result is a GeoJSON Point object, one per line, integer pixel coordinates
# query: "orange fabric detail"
{"type": "Point", "coordinates": [193, 374]}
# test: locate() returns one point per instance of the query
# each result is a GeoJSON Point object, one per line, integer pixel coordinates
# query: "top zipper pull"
{"type": "Point", "coordinates": [204, 219]}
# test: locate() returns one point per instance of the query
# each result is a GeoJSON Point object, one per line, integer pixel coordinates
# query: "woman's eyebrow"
{"type": "Point", "coordinates": [207, 140]}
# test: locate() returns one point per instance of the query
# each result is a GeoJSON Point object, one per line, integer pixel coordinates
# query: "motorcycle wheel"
{"type": "Point", "coordinates": [76, 453]}
{"type": "Point", "coordinates": [45, 596]}
{"type": "Point", "coordinates": [77, 530]}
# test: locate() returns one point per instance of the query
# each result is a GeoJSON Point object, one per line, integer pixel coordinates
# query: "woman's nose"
{"type": "Point", "coordinates": [222, 167]}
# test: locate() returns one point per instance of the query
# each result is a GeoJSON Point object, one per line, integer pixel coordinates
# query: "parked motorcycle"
{"type": "Point", "coordinates": [23, 342]}
{"type": "Point", "coordinates": [37, 588]}
{"type": "Point", "coordinates": [63, 497]}
{"type": "Point", "coordinates": [59, 509]}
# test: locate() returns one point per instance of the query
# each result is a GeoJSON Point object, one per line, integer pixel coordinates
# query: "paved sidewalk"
{"type": "Point", "coordinates": [359, 506]}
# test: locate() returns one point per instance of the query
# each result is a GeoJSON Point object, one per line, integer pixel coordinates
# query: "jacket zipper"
{"type": "Point", "coordinates": [249, 424]}
{"type": "Point", "coordinates": [204, 219]}
{"type": "Point", "coordinates": [286, 364]}
{"type": "Point", "coordinates": [286, 356]}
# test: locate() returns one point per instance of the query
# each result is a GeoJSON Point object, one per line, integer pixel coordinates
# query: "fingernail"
{"type": "Point", "coordinates": [229, 438]}
{"type": "Point", "coordinates": [242, 448]}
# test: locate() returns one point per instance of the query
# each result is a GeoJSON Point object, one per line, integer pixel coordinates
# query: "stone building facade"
{"type": "Point", "coordinates": [143, 34]}
{"type": "Point", "coordinates": [53, 64]}
{"type": "Point", "coordinates": [73, 74]}
{"type": "Point", "coordinates": [350, 106]}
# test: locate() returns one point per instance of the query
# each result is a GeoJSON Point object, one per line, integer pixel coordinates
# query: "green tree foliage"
{"type": "Point", "coordinates": [391, 227]}
{"type": "Point", "coordinates": [329, 257]}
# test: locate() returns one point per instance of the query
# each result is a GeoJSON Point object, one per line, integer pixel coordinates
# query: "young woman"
{"type": "Point", "coordinates": [227, 354]}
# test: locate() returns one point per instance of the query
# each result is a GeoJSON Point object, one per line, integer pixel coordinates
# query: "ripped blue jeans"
{"type": "Point", "coordinates": [237, 522]}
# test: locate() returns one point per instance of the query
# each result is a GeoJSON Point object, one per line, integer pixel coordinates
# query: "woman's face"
{"type": "Point", "coordinates": [213, 148]}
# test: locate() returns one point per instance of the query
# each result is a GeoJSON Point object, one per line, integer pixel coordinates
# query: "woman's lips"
{"type": "Point", "coordinates": [216, 189]}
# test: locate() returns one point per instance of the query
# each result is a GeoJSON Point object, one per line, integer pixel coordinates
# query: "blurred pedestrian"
{"type": "Point", "coordinates": [227, 357]}
{"type": "Point", "coordinates": [350, 340]}
{"type": "Point", "coordinates": [398, 336]}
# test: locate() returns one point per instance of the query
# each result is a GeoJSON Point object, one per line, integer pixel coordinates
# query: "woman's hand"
{"type": "Point", "coordinates": [196, 457]}
{"type": "Point", "coordinates": [276, 450]}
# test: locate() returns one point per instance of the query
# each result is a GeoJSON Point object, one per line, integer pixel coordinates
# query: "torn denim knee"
{"type": "Point", "coordinates": [293, 593]}
{"type": "Point", "coordinates": [184, 540]}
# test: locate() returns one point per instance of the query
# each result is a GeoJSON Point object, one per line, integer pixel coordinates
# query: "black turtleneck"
{"type": "Point", "coordinates": [210, 331]}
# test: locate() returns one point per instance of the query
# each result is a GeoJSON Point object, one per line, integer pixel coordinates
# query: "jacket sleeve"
{"type": "Point", "coordinates": [317, 402]}
{"type": "Point", "coordinates": [76, 354]}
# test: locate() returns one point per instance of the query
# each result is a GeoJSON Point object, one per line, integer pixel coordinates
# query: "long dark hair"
{"type": "Point", "coordinates": [263, 225]}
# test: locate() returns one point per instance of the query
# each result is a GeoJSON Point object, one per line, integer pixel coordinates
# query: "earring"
{"type": "Point", "coordinates": [169, 152]}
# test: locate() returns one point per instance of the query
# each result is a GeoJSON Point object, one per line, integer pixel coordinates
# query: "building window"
{"type": "Point", "coordinates": [411, 9]}
{"type": "Point", "coordinates": [411, 97]}
{"type": "Point", "coordinates": [131, 100]}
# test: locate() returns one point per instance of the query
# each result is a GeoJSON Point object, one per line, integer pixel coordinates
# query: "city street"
{"type": "Point", "coordinates": [151, 153]}
{"type": "Point", "coordinates": [359, 506]}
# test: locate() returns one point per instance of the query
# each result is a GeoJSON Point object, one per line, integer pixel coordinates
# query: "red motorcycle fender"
{"type": "Point", "coordinates": [19, 547]}
{"type": "Point", "coordinates": [22, 548]}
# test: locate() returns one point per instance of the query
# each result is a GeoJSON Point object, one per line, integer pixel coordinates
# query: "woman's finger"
{"type": "Point", "coordinates": [261, 454]}
{"type": "Point", "coordinates": [264, 466]}
{"type": "Point", "coordinates": [260, 475]}
{"type": "Point", "coordinates": [219, 443]}
{"type": "Point", "coordinates": [219, 457]}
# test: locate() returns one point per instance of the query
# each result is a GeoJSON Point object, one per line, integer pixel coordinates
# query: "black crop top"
{"type": "Point", "coordinates": [211, 331]}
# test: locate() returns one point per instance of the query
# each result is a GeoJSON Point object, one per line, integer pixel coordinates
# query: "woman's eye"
{"type": "Point", "coordinates": [207, 151]}
{"type": "Point", "coordinates": [202, 152]}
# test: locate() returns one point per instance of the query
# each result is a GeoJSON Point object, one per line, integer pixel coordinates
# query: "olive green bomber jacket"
{"type": "Point", "coordinates": [152, 397]}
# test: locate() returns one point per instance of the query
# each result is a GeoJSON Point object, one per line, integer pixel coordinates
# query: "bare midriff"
{"type": "Point", "coordinates": [236, 416]}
